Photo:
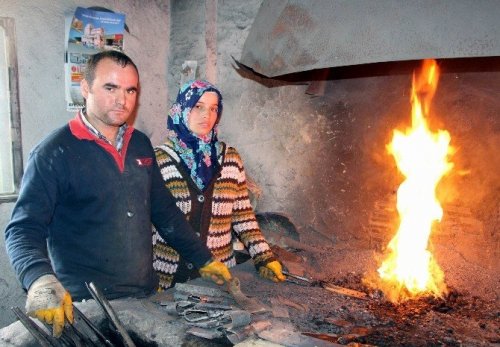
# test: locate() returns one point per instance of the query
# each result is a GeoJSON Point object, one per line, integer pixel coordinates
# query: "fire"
{"type": "Point", "coordinates": [422, 157]}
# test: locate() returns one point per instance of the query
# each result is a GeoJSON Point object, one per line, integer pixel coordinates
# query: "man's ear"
{"type": "Point", "coordinates": [84, 88]}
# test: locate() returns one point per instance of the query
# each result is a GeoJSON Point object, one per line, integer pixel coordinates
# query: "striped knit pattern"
{"type": "Point", "coordinates": [231, 211]}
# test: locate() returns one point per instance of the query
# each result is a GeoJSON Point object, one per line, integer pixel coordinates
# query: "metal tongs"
{"type": "Point", "coordinates": [300, 280]}
{"type": "Point", "coordinates": [110, 313]}
{"type": "Point", "coordinates": [81, 333]}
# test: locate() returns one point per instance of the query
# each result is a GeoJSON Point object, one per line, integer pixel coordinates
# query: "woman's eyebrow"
{"type": "Point", "coordinates": [204, 103]}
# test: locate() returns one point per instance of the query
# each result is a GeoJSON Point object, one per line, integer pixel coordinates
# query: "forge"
{"type": "Point", "coordinates": [353, 186]}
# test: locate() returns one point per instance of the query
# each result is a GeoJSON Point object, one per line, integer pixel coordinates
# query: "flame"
{"type": "Point", "coordinates": [422, 157]}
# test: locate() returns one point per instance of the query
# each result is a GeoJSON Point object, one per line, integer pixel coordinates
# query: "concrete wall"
{"type": "Point", "coordinates": [40, 35]}
{"type": "Point", "coordinates": [271, 122]}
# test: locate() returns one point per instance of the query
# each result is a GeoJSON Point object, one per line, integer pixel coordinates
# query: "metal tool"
{"type": "Point", "coordinates": [110, 313]}
{"type": "Point", "coordinates": [300, 280]}
{"type": "Point", "coordinates": [44, 339]}
{"type": "Point", "coordinates": [82, 333]}
{"type": "Point", "coordinates": [251, 305]}
{"type": "Point", "coordinates": [99, 338]}
{"type": "Point", "coordinates": [345, 291]}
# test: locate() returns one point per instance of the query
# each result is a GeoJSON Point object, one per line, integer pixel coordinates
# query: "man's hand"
{"type": "Point", "coordinates": [216, 271]}
{"type": "Point", "coordinates": [272, 271]}
{"type": "Point", "coordinates": [50, 302]}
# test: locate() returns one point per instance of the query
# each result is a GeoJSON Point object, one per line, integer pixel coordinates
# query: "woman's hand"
{"type": "Point", "coordinates": [216, 271]}
{"type": "Point", "coordinates": [272, 271]}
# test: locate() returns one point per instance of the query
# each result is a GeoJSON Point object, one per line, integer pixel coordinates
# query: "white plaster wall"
{"type": "Point", "coordinates": [11, 294]}
{"type": "Point", "coordinates": [40, 26]}
{"type": "Point", "coordinates": [40, 48]}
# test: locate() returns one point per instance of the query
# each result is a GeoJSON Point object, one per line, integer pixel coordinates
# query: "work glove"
{"type": "Point", "coordinates": [50, 302]}
{"type": "Point", "coordinates": [272, 271]}
{"type": "Point", "coordinates": [216, 271]}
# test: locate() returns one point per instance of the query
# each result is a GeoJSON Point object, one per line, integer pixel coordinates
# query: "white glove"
{"type": "Point", "coordinates": [50, 302]}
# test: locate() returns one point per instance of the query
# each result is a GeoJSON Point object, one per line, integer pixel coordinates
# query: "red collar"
{"type": "Point", "coordinates": [81, 132]}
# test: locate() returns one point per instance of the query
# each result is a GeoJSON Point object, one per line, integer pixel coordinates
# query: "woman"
{"type": "Point", "coordinates": [207, 180]}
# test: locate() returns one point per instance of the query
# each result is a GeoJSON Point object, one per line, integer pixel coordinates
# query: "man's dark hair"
{"type": "Point", "coordinates": [118, 57]}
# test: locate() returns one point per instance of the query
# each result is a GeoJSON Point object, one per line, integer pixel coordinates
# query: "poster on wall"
{"type": "Point", "coordinates": [89, 32]}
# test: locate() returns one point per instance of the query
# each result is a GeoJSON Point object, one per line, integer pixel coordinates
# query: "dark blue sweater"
{"type": "Point", "coordinates": [94, 208]}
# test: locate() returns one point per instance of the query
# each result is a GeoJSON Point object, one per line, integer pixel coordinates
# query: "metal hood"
{"type": "Point", "coordinates": [290, 36]}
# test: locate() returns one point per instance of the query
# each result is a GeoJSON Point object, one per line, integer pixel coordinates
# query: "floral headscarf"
{"type": "Point", "coordinates": [198, 154]}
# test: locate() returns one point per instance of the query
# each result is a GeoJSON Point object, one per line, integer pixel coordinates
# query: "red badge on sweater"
{"type": "Point", "coordinates": [144, 161]}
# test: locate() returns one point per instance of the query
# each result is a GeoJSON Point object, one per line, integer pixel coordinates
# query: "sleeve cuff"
{"type": "Point", "coordinates": [34, 272]}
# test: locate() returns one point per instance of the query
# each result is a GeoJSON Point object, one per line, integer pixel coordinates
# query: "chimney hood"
{"type": "Point", "coordinates": [290, 36]}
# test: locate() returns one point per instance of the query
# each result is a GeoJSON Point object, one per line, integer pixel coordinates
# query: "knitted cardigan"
{"type": "Point", "coordinates": [231, 213]}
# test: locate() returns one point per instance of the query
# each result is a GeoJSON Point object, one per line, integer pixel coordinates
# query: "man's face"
{"type": "Point", "coordinates": [112, 97]}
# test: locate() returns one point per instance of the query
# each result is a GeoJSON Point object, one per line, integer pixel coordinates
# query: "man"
{"type": "Point", "coordinates": [89, 194]}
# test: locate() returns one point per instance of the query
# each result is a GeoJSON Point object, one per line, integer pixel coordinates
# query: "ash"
{"type": "Point", "coordinates": [459, 319]}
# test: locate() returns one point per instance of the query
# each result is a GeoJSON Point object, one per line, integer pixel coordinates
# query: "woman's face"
{"type": "Point", "coordinates": [203, 116]}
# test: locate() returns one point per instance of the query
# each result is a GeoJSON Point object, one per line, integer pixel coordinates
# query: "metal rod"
{"type": "Point", "coordinates": [92, 327]}
{"type": "Point", "coordinates": [305, 279]}
{"type": "Point", "coordinates": [41, 336]}
{"type": "Point", "coordinates": [110, 313]}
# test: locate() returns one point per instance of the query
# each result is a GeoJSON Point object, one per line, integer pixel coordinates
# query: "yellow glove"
{"type": "Point", "coordinates": [272, 271]}
{"type": "Point", "coordinates": [216, 271]}
{"type": "Point", "coordinates": [49, 302]}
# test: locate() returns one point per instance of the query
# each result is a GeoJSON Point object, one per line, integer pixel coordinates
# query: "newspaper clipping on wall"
{"type": "Point", "coordinates": [89, 32]}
